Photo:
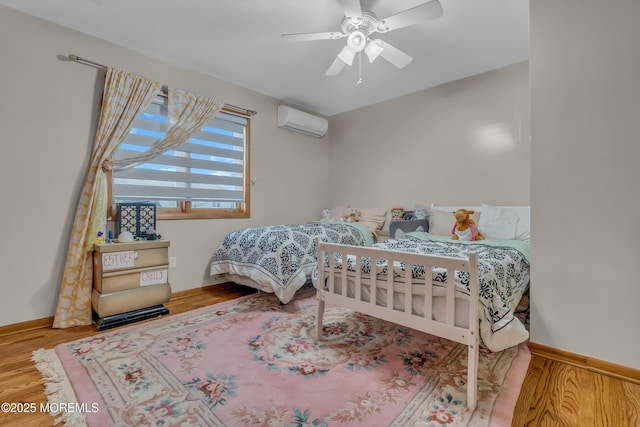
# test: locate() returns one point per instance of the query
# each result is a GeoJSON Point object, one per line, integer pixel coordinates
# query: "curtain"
{"type": "Point", "coordinates": [125, 96]}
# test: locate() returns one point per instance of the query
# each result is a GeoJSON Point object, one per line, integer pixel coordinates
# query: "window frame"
{"type": "Point", "coordinates": [185, 210]}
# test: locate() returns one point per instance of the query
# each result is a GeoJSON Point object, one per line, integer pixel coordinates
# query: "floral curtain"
{"type": "Point", "coordinates": [125, 96]}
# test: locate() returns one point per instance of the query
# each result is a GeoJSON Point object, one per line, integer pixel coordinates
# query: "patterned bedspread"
{"type": "Point", "coordinates": [282, 257]}
{"type": "Point", "coordinates": [503, 268]}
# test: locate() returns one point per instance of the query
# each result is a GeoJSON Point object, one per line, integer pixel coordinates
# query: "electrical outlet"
{"type": "Point", "coordinates": [173, 263]}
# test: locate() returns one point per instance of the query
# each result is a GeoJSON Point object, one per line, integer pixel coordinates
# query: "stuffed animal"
{"type": "Point", "coordinates": [352, 215]}
{"type": "Point", "coordinates": [326, 215]}
{"type": "Point", "coordinates": [465, 227]}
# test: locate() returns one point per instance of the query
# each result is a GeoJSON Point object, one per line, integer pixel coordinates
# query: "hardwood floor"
{"type": "Point", "coordinates": [553, 394]}
{"type": "Point", "coordinates": [559, 394]}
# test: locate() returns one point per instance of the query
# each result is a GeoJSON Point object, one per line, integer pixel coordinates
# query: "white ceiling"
{"type": "Point", "coordinates": [239, 41]}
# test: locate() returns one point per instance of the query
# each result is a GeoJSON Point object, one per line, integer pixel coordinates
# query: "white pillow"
{"type": "Point", "coordinates": [523, 230]}
{"type": "Point", "coordinates": [441, 222]}
{"type": "Point", "coordinates": [498, 222]}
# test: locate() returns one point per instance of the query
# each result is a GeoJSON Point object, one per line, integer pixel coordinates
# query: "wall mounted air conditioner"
{"type": "Point", "coordinates": [299, 121]}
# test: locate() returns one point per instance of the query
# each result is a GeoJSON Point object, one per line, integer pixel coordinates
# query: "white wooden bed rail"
{"type": "Point", "coordinates": [343, 287]}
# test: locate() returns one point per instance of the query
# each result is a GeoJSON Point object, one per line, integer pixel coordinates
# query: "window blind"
{"type": "Point", "coordinates": [207, 170]}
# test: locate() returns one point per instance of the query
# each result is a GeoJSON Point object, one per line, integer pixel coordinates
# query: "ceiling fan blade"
{"type": "Point", "coordinates": [352, 9]}
{"type": "Point", "coordinates": [305, 37]}
{"type": "Point", "coordinates": [336, 67]}
{"type": "Point", "coordinates": [415, 15]}
{"type": "Point", "coordinates": [394, 55]}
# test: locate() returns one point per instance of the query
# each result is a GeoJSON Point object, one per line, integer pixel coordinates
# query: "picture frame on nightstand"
{"type": "Point", "coordinates": [136, 218]}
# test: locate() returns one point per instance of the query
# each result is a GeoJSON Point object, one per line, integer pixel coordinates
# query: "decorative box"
{"type": "Point", "coordinates": [136, 218]}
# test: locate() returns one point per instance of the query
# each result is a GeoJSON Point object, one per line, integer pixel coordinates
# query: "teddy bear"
{"type": "Point", "coordinates": [352, 215]}
{"type": "Point", "coordinates": [465, 227]}
{"type": "Point", "coordinates": [326, 215]}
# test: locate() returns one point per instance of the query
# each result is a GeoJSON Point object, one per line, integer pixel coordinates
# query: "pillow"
{"type": "Point", "coordinates": [372, 218]}
{"type": "Point", "coordinates": [498, 222]}
{"type": "Point", "coordinates": [441, 222]}
{"type": "Point", "coordinates": [523, 229]}
{"type": "Point", "coordinates": [338, 212]}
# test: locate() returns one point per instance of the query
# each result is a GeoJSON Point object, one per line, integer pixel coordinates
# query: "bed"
{"type": "Point", "coordinates": [280, 258]}
{"type": "Point", "coordinates": [473, 288]}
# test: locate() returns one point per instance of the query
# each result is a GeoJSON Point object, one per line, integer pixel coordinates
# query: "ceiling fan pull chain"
{"type": "Point", "coordinates": [359, 68]}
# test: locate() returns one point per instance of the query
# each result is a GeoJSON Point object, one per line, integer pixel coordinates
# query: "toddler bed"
{"type": "Point", "coordinates": [280, 258]}
{"type": "Point", "coordinates": [430, 283]}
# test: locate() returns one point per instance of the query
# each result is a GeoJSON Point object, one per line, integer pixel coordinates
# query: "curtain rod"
{"type": "Point", "coordinates": [76, 58]}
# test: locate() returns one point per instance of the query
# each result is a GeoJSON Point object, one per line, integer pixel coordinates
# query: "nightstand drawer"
{"type": "Point", "coordinates": [129, 300]}
{"type": "Point", "coordinates": [117, 257]}
{"type": "Point", "coordinates": [131, 279]}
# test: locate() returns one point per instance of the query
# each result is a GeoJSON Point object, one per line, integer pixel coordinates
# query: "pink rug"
{"type": "Point", "coordinates": [252, 361]}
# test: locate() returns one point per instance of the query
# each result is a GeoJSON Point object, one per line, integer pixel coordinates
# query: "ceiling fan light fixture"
{"type": "Point", "coordinates": [357, 40]}
{"type": "Point", "coordinates": [346, 55]}
{"type": "Point", "coordinates": [373, 49]}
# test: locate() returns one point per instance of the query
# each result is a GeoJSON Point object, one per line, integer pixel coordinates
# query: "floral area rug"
{"type": "Point", "coordinates": [254, 362]}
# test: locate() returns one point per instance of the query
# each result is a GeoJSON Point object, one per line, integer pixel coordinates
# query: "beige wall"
{"type": "Point", "coordinates": [462, 142]}
{"type": "Point", "coordinates": [585, 108]}
{"type": "Point", "coordinates": [47, 108]}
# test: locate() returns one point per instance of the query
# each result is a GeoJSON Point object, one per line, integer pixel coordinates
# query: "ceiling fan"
{"type": "Point", "coordinates": [359, 25]}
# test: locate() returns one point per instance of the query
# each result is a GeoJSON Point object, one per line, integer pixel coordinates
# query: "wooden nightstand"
{"type": "Point", "coordinates": [130, 282]}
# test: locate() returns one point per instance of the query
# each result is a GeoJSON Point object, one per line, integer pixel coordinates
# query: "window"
{"type": "Point", "coordinates": [205, 177]}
